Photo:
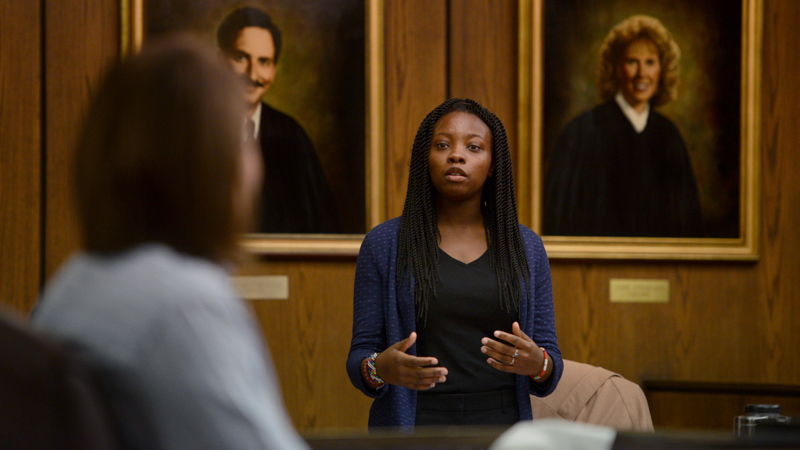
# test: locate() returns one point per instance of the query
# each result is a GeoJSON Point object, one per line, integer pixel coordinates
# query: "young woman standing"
{"type": "Point", "coordinates": [453, 312]}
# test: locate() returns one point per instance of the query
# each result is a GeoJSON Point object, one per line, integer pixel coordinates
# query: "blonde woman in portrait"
{"type": "Point", "coordinates": [622, 168]}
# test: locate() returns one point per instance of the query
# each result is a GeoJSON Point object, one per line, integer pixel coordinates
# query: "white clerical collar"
{"type": "Point", "coordinates": [638, 120]}
{"type": "Point", "coordinates": [256, 120]}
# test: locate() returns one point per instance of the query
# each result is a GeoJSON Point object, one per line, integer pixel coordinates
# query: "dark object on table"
{"type": "Point", "coordinates": [756, 417]}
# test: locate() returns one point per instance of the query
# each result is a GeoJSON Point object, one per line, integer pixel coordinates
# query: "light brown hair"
{"type": "Point", "coordinates": [158, 157]}
{"type": "Point", "coordinates": [623, 34]}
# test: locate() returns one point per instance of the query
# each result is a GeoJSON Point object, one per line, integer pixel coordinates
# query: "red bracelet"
{"type": "Point", "coordinates": [369, 373]}
{"type": "Point", "coordinates": [544, 367]}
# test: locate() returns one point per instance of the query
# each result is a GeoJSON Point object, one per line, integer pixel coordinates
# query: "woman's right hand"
{"type": "Point", "coordinates": [395, 366]}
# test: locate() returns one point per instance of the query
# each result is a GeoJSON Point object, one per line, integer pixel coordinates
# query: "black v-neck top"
{"type": "Point", "coordinates": [465, 309]}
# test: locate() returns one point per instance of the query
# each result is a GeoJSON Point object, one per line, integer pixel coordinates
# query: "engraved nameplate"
{"type": "Point", "coordinates": [638, 290]}
{"type": "Point", "coordinates": [262, 287]}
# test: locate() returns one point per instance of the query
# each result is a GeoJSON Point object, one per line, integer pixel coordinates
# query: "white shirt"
{"type": "Point", "coordinates": [179, 356]}
{"type": "Point", "coordinates": [256, 121]}
{"type": "Point", "coordinates": [638, 120]}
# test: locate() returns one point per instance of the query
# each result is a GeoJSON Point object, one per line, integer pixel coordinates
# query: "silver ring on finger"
{"type": "Point", "coordinates": [512, 360]}
{"type": "Point", "coordinates": [516, 353]}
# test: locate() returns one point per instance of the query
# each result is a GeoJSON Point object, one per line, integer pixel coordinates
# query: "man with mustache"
{"type": "Point", "coordinates": [296, 197]}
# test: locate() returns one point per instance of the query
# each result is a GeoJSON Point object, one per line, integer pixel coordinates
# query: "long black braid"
{"type": "Point", "coordinates": [418, 257]}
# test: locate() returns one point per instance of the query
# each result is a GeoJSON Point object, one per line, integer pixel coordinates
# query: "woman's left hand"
{"type": "Point", "coordinates": [523, 356]}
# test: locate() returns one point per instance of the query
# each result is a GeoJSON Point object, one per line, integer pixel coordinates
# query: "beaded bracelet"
{"type": "Point", "coordinates": [544, 367]}
{"type": "Point", "coordinates": [370, 373]}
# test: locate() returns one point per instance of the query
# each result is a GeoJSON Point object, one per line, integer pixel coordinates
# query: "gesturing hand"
{"type": "Point", "coordinates": [395, 366]}
{"type": "Point", "coordinates": [528, 360]}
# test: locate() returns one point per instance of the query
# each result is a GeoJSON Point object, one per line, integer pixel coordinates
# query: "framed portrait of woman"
{"type": "Point", "coordinates": [643, 121]}
{"type": "Point", "coordinates": [314, 92]}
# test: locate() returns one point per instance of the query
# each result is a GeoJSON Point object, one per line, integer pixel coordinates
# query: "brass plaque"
{"type": "Point", "coordinates": [262, 287]}
{"type": "Point", "coordinates": [638, 290]}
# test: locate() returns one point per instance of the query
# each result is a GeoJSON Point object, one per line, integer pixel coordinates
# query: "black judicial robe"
{"type": "Point", "coordinates": [296, 197]}
{"type": "Point", "coordinates": [605, 179]}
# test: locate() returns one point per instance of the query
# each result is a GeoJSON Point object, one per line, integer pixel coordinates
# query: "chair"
{"type": "Point", "coordinates": [48, 400]}
{"type": "Point", "coordinates": [597, 396]}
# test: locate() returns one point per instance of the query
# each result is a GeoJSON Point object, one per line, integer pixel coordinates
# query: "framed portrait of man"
{"type": "Point", "coordinates": [644, 126]}
{"type": "Point", "coordinates": [312, 71]}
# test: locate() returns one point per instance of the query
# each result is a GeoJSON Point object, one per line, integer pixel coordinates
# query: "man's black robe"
{"type": "Point", "coordinates": [296, 197]}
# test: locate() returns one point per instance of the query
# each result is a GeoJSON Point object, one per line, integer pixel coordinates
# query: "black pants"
{"type": "Point", "coordinates": [483, 408]}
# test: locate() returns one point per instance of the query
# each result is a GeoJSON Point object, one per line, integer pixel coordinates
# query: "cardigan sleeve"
{"type": "Point", "coordinates": [368, 318]}
{"type": "Point", "coordinates": [544, 323]}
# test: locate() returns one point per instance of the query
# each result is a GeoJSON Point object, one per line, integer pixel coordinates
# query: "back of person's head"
{"type": "Point", "coordinates": [240, 18]}
{"type": "Point", "coordinates": [159, 155]}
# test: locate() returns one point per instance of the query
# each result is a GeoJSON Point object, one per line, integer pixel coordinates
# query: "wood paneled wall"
{"type": "Point", "coordinates": [52, 54]}
{"type": "Point", "coordinates": [82, 38]}
{"type": "Point", "coordinates": [20, 153]}
{"type": "Point", "coordinates": [483, 57]}
{"type": "Point", "coordinates": [309, 338]}
{"type": "Point", "coordinates": [724, 321]}
{"type": "Point", "coordinates": [416, 82]}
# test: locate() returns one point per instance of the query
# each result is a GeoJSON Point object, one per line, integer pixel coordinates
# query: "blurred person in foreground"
{"type": "Point", "coordinates": [164, 184]}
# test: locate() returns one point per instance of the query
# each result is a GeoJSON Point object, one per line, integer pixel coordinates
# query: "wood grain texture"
{"type": "Point", "coordinates": [708, 411]}
{"type": "Point", "coordinates": [20, 155]}
{"type": "Point", "coordinates": [309, 339]}
{"type": "Point", "coordinates": [779, 299]}
{"type": "Point", "coordinates": [81, 40]}
{"type": "Point", "coordinates": [703, 332]}
{"type": "Point", "coordinates": [416, 82]}
{"type": "Point", "coordinates": [483, 58]}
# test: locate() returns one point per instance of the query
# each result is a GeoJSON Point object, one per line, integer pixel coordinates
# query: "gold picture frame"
{"type": "Point", "coordinates": [132, 27]}
{"type": "Point", "coordinates": [531, 116]}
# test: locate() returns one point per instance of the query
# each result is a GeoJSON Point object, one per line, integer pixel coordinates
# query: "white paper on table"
{"type": "Point", "coordinates": [552, 434]}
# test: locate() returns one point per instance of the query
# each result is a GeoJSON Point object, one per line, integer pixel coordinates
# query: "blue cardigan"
{"type": "Point", "coordinates": [384, 314]}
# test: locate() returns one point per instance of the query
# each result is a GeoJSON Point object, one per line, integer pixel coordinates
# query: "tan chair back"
{"type": "Point", "coordinates": [597, 396]}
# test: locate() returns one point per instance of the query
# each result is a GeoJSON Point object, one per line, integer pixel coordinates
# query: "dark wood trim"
{"type": "Point", "coordinates": [711, 387]}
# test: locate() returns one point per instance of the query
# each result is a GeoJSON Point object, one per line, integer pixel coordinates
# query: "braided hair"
{"type": "Point", "coordinates": [418, 241]}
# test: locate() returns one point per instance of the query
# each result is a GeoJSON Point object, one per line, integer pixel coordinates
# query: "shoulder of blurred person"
{"type": "Point", "coordinates": [172, 347]}
{"type": "Point", "coordinates": [127, 295]}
